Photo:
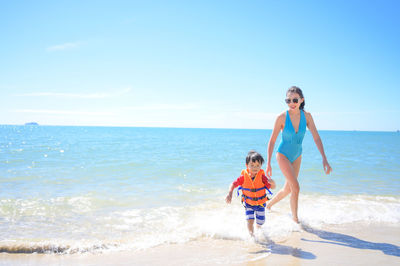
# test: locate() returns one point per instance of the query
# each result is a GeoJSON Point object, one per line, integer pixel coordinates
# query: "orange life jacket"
{"type": "Point", "coordinates": [254, 192]}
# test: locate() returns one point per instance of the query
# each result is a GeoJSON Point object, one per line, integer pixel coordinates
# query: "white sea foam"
{"type": "Point", "coordinates": [317, 210]}
{"type": "Point", "coordinates": [218, 220]}
{"type": "Point", "coordinates": [37, 226]}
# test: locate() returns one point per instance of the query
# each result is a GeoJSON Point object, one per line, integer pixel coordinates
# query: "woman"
{"type": "Point", "coordinates": [293, 125]}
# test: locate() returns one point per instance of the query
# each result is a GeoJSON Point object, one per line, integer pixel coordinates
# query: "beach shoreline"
{"type": "Point", "coordinates": [376, 244]}
{"type": "Point", "coordinates": [97, 197]}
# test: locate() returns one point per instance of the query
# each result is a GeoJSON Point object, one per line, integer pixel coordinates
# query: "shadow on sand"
{"type": "Point", "coordinates": [275, 248]}
{"type": "Point", "coordinates": [270, 246]}
{"type": "Point", "coordinates": [350, 241]}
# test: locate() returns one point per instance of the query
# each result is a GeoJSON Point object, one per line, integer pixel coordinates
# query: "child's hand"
{"type": "Point", "coordinates": [272, 183]}
{"type": "Point", "coordinates": [228, 198]}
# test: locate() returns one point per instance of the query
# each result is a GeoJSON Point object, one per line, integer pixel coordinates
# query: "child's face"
{"type": "Point", "coordinates": [254, 167]}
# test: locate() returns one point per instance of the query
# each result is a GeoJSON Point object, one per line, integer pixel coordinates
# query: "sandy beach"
{"type": "Point", "coordinates": [340, 245]}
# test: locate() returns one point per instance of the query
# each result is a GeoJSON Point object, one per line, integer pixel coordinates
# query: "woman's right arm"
{"type": "Point", "coordinates": [271, 143]}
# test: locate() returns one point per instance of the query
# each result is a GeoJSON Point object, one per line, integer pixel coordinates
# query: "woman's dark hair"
{"type": "Point", "coordinates": [297, 90]}
{"type": "Point", "coordinates": [254, 157]}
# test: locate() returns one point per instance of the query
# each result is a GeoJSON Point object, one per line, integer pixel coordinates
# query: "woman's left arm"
{"type": "Point", "coordinates": [311, 126]}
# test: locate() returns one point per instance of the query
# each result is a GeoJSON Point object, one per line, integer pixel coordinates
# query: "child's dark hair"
{"type": "Point", "coordinates": [297, 90]}
{"type": "Point", "coordinates": [254, 157]}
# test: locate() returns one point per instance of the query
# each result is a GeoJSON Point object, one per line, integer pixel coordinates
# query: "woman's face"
{"type": "Point", "coordinates": [293, 100]}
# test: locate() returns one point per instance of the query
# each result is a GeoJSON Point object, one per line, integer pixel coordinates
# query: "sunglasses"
{"type": "Point", "coordinates": [294, 100]}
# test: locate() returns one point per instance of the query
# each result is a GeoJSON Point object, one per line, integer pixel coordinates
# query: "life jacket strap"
{"type": "Point", "coordinates": [255, 198]}
{"type": "Point", "coordinates": [269, 191]}
{"type": "Point", "coordinates": [254, 189]}
{"type": "Point", "coordinates": [239, 188]}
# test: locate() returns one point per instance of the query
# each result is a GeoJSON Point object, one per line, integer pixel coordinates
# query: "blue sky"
{"type": "Point", "coordinates": [222, 64]}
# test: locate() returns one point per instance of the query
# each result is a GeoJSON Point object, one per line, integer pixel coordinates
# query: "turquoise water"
{"type": "Point", "coordinates": [51, 161]}
{"type": "Point", "coordinates": [99, 183]}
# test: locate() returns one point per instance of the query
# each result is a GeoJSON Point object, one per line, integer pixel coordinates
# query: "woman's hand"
{"type": "Point", "coordinates": [268, 171]}
{"type": "Point", "coordinates": [327, 167]}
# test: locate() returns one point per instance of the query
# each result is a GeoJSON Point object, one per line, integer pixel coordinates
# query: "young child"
{"type": "Point", "coordinates": [254, 195]}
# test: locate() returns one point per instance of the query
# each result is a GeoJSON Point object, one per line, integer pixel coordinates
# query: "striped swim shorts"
{"type": "Point", "coordinates": [259, 212]}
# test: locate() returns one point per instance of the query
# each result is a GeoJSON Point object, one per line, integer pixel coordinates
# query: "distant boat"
{"type": "Point", "coordinates": [31, 124]}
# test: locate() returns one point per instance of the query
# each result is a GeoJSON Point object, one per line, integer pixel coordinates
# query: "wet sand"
{"type": "Point", "coordinates": [338, 245]}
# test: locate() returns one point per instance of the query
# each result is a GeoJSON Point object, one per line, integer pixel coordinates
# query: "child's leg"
{"type": "Point", "coordinates": [250, 226]}
{"type": "Point", "coordinates": [260, 216]}
{"type": "Point", "coordinates": [250, 219]}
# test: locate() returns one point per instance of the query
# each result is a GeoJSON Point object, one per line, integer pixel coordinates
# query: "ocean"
{"type": "Point", "coordinates": [66, 189]}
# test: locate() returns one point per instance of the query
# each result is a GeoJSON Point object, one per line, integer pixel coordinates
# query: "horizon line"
{"type": "Point", "coordinates": [174, 127]}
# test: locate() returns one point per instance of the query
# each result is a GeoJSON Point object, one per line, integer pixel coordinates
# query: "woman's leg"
{"type": "Point", "coordinates": [279, 196]}
{"type": "Point", "coordinates": [296, 168]}
{"type": "Point", "coordinates": [286, 187]}
{"type": "Point", "coordinates": [291, 173]}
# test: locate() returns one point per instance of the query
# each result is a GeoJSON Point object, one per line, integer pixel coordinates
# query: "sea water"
{"type": "Point", "coordinates": [94, 189]}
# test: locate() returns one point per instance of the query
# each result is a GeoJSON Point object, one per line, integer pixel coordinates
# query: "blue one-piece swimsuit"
{"type": "Point", "coordinates": [290, 145]}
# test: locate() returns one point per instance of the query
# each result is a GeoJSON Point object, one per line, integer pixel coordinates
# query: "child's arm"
{"type": "Point", "coordinates": [228, 198]}
{"type": "Point", "coordinates": [235, 184]}
{"type": "Point", "coordinates": [269, 183]}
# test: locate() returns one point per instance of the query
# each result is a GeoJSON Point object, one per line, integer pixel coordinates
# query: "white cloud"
{"type": "Point", "coordinates": [76, 95]}
{"type": "Point", "coordinates": [255, 115]}
{"type": "Point", "coordinates": [158, 107]}
{"type": "Point", "coordinates": [64, 46]}
{"type": "Point", "coordinates": [62, 112]}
